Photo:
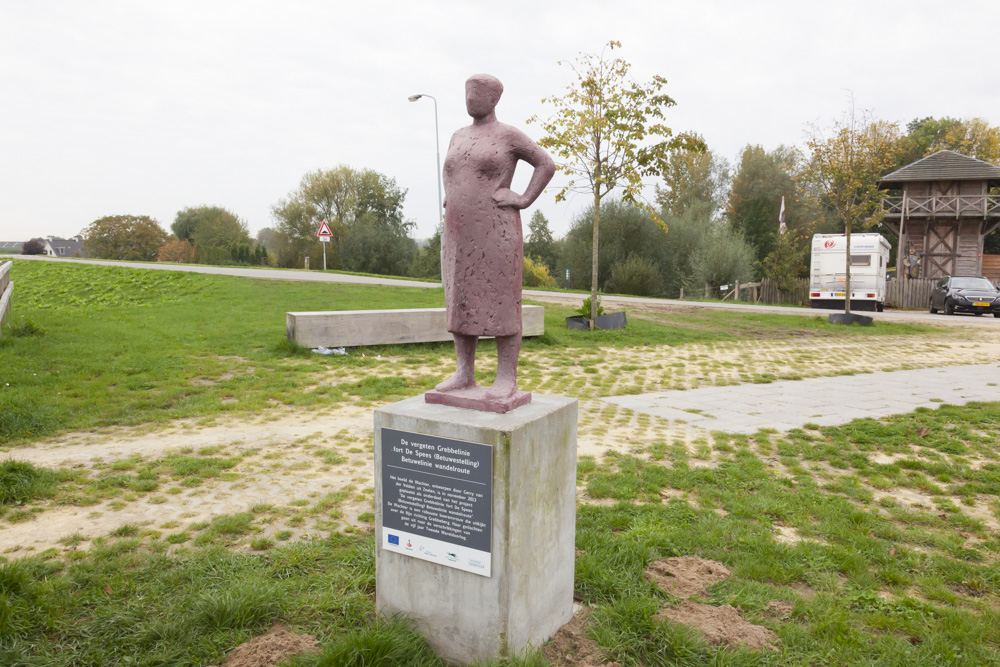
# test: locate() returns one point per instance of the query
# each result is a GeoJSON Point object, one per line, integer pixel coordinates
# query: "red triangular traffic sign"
{"type": "Point", "coordinates": [324, 229]}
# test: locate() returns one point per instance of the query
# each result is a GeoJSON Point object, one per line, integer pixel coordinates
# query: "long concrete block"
{"type": "Point", "coordinates": [350, 328]}
{"type": "Point", "coordinates": [522, 592]}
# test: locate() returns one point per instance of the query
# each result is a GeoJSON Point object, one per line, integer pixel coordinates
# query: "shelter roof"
{"type": "Point", "coordinates": [943, 166]}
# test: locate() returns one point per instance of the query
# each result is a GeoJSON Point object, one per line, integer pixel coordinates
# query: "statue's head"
{"type": "Point", "coordinates": [482, 92]}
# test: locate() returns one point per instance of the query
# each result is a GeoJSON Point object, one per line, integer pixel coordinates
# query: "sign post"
{"type": "Point", "coordinates": [324, 235]}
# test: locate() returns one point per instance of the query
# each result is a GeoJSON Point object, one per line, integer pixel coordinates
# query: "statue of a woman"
{"type": "Point", "coordinates": [482, 247]}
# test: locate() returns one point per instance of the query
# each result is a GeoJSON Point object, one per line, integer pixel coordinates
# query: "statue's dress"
{"type": "Point", "coordinates": [482, 245]}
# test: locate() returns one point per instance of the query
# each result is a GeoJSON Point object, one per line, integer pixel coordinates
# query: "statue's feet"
{"type": "Point", "coordinates": [457, 382]}
{"type": "Point", "coordinates": [502, 389]}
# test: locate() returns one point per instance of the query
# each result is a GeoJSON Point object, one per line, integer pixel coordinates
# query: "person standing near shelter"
{"type": "Point", "coordinates": [482, 244]}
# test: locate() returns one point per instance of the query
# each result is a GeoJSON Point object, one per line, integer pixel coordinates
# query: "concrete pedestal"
{"type": "Point", "coordinates": [528, 594]}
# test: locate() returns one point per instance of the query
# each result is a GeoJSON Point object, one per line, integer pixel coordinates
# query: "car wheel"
{"type": "Point", "coordinates": [933, 309]}
{"type": "Point", "coordinates": [996, 314]}
{"type": "Point", "coordinates": [949, 309]}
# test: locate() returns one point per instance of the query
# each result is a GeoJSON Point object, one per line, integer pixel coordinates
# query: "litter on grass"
{"type": "Point", "coordinates": [329, 350]}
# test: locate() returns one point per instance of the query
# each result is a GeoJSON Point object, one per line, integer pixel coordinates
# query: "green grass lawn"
{"type": "Point", "coordinates": [89, 346]}
{"type": "Point", "coordinates": [893, 558]}
{"type": "Point", "coordinates": [869, 582]}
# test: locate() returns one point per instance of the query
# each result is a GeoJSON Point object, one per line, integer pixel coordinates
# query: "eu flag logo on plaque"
{"type": "Point", "coordinates": [394, 539]}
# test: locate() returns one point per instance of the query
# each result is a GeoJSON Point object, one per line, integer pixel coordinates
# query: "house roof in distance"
{"type": "Point", "coordinates": [943, 166]}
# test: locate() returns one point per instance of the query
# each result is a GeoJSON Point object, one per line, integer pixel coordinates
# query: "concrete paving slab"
{"type": "Point", "coordinates": [826, 401]}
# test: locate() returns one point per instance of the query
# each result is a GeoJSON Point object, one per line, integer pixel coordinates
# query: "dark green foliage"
{"type": "Point", "coordinates": [636, 275]}
{"type": "Point", "coordinates": [921, 135]}
{"type": "Point", "coordinates": [625, 231]}
{"type": "Point", "coordinates": [785, 263]}
{"type": "Point", "coordinates": [362, 202]}
{"type": "Point", "coordinates": [377, 644]}
{"type": "Point", "coordinates": [371, 247]}
{"type": "Point", "coordinates": [124, 237]}
{"type": "Point", "coordinates": [540, 243]}
{"type": "Point", "coordinates": [22, 482]}
{"type": "Point", "coordinates": [587, 309]}
{"type": "Point", "coordinates": [23, 417]}
{"type": "Point", "coordinates": [762, 179]}
{"type": "Point", "coordinates": [33, 247]}
{"type": "Point", "coordinates": [427, 259]}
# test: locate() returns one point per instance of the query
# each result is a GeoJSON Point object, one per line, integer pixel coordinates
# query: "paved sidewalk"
{"type": "Point", "coordinates": [826, 401]}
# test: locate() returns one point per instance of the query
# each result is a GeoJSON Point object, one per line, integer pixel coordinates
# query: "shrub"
{"type": "Point", "coordinates": [21, 482]}
{"type": "Point", "coordinates": [536, 274]}
{"type": "Point", "coordinates": [33, 247]}
{"type": "Point", "coordinates": [176, 250]}
{"type": "Point", "coordinates": [636, 275]}
{"type": "Point", "coordinates": [585, 309]}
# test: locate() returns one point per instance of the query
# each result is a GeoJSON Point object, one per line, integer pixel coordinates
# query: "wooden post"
{"type": "Point", "coordinates": [736, 292]}
{"type": "Point", "coordinates": [682, 293]}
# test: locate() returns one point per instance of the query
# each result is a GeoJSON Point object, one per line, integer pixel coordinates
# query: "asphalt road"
{"type": "Point", "coordinates": [666, 305]}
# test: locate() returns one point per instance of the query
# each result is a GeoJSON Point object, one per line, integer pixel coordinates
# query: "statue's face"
{"type": "Point", "coordinates": [480, 98]}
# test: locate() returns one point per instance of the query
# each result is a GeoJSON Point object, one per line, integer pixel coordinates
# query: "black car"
{"type": "Point", "coordinates": [965, 294]}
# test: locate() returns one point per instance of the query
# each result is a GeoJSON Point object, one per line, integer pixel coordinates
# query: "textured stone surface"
{"type": "Point", "coordinates": [482, 246]}
{"type": "Point", "coordinates": [529, 594]}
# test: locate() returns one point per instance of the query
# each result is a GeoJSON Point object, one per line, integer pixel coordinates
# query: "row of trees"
{"type": "Point", "coordinates": [608, 133]}
{"type": "Point", "coordinates": [204, 234]}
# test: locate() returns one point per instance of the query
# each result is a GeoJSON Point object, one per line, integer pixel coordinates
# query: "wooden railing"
{"type": "Point", "coordinates": [909, 292]}
{"type": "Point", "coordinates": [899, 293]}
{"type": "Point", "coordinates": [6, 289]}
{"type": "Point", "coordinates": [955, 206]}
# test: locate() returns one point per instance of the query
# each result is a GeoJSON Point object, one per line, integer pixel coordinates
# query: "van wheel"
{"type": "Point", "coordinates": [880, 307]}
{"type": "Point", "coordinates": [933, 309]}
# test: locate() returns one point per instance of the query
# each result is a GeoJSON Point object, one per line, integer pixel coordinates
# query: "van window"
{"type": "Point", "coordinates": [861, 260]}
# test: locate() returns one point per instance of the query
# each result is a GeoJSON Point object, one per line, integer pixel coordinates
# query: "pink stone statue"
{"type": "Point", "coordinates": [482, 247]}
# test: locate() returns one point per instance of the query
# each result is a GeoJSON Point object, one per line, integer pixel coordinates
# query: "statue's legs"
{"type": "Point", "coordinates": [465, 371]}
{"type": "Point", "coordinates": [508, 349]}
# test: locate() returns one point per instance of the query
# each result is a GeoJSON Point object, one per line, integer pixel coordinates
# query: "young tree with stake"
{"type": "Point", "coordinates": [600, 133]}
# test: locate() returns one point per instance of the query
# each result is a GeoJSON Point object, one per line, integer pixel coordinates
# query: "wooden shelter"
{"type": "Point", "coordinates": [942, 214]}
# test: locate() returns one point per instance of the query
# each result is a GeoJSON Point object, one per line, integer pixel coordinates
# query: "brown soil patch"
{"type": "Point", "coordinates": [269, 649]}
{"type": "Point", "coordinates": [686, 576]}
{"type": "Point", "coordinates": [721, 625]}
{"type": "Point", "coordinates": [571, 646]}
{"type": "Point", "coordinates": [779, 609]}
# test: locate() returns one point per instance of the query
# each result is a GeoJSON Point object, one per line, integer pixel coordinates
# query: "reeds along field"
{"type": "Point", "coordinates": [874, 542]}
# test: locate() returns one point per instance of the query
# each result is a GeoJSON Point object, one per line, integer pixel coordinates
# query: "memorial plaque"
{"type": "Point", "coordinates": [437, 499]}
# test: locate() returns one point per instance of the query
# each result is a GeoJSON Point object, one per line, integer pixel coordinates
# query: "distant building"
{"type": "Point", "coordinates": [943, 212]}
{"type": "Point", "coordinates": [11, 246]}
{"type": "Point", "coordinates": [56, 247]}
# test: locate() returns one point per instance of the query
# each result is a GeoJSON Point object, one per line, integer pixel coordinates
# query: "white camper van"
{"type": "Point", "coordinates": [827, 273]}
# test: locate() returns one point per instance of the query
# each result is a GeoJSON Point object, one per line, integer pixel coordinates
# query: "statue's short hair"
{"type": "Point", "coordinates": [491, 82]}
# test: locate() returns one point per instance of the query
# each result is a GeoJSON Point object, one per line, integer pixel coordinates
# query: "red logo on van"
{"type": "Point", "coordinates": [829, 244]}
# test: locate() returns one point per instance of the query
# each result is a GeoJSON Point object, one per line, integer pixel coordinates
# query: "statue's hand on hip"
{"type": "Point", "coordinates": [506, 198]}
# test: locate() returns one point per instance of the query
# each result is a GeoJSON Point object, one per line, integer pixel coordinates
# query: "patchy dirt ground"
{"type": "Point", "coordinates": [686, 576]}
{"type": "Point", "coordinates": [269, 649]}
{"type": "Point", "coordinates": [291, 461]}
{"type": "Point", "coordinates": [721, 625]}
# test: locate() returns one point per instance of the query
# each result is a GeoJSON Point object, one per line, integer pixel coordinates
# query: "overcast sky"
{"type": "Point", "coordinates": [146, 107]}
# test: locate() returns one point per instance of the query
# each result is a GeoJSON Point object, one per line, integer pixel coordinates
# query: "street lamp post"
{"type": "Point", "coordinates": [437, 145]}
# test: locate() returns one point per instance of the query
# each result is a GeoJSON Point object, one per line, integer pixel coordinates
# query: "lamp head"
{"type": "Point", "coordinates": [414, 98]}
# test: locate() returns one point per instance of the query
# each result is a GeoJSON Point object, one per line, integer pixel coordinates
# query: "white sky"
{"type": "Point", "coordinates": [147, 107]}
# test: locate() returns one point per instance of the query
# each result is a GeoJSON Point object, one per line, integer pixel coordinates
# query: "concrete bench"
{"type": "Point", "coordinates": [350, 328]}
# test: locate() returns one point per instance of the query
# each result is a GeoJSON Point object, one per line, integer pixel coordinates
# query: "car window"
{"type": "Point", "coordinates": [861, 260]}
{"type": "Point", "coordinates": [972, 283]}
{"type": "Point", "coordinates": [943, 283]}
